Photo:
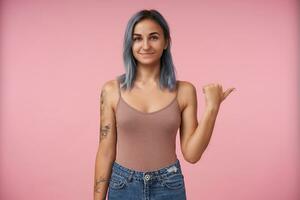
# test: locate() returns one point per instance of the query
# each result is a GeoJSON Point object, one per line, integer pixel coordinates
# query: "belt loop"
{"type": "Point", "coordinates": [130, 176]}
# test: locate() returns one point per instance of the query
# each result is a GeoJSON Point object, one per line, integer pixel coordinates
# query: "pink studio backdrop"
{"type": "Point", "coordinates": [56, 55]}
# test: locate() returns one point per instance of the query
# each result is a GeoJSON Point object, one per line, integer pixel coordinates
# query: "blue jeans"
{"type": "Point", "coordinates": [163, 184]}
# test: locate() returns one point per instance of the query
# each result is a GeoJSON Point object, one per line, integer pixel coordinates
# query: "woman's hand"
{"type": "Point", "coordinates": [214, 94]}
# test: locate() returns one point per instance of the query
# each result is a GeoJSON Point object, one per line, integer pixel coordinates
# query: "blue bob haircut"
{"type": "Point", "coordinates": [167, 70]}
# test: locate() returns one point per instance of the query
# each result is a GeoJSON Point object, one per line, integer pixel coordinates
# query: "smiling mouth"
{"type": "Point", "coordinates": [147, 54]}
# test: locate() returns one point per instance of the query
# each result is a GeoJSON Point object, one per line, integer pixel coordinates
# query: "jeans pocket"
{"type": "Point", "coordinates": [117, 181]}
{"type": "Point", "coordinates": [174, 181]}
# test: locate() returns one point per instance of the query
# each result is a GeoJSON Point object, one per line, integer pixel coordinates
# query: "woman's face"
{"type": "Point", "coordinates": [148, 42]}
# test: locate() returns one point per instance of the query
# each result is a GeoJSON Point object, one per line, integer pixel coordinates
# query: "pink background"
{"type": "Point", "coordinates": [56, 55]}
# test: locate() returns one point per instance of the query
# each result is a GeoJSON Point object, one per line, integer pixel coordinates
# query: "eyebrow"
{"type": "Point", "coordinates": [149, 34]}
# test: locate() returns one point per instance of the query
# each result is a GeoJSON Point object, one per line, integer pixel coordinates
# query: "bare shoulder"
{"type": "Point", "coordinates": [109, 85]}
{"type": "Point", "coordinates": [186, 86]}
{"type": "Point", "coordinates": [109, 91]}
{"type": "Point", "coordinates": [187, 92]}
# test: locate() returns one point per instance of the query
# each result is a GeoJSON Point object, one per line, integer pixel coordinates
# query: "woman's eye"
{"type": "Point", "coordinates": [154, 37]}
{"type": "Point", "coordinates": [134, 39]}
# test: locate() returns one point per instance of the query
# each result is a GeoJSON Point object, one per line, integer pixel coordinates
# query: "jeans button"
{"type": "Point", "coordinates": [147, 177]}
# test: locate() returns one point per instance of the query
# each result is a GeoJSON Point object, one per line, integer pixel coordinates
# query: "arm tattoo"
{"type": "Point", "coordinates": [103, 130]}
{"type": "Point", "coordinates": [103, 94]}
{"type": "Point", "coordinates": [97, 184]}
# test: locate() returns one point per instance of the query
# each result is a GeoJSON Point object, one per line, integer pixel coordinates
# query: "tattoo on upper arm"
{"type": "Point", "coordinates": [103, 95]}
{"type": "Point", "coordinates": [104, 129]}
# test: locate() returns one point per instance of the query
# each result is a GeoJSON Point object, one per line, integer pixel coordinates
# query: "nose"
{"type": "Point", "coordinates": [146, 44]}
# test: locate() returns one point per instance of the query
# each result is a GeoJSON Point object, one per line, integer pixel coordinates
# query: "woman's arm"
{"type": "Point", "coordinates": [107, 142]}
{"type": "Point", "coordinates": [195, 137]}
{"type": "Point", "coordinates": [199, 139]}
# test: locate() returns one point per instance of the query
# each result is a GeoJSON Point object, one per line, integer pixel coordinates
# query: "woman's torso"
{"type": "Point", "coordinates": [147, 121]}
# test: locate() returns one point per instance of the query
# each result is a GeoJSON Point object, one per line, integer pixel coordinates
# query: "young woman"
{"type": "Point", "coordinates": [141, 112]}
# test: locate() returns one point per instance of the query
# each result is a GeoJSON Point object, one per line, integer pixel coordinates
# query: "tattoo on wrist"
{"type": "Point", "coordinates": [98, 182]}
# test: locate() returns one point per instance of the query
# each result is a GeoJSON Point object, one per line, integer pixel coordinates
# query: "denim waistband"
{"type": "Point", "coordinates": [139, 175]}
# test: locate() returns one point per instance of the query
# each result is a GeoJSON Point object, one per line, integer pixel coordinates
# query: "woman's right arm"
{"type": "Point", "coordinates": [106, 153]}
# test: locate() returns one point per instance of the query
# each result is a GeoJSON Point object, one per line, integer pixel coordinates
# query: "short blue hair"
{"type": "Point", "coordinates": [167, 69]}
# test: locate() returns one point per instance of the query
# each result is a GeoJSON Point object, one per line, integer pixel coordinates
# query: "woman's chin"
{"type": "Point", "coordinates": [147, 61]}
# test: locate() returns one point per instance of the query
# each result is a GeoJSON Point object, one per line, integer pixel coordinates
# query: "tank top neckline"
{"type": "Point", "coordinates": [174, 100]}
{"type": "Point", "coordinates": [148, 113]}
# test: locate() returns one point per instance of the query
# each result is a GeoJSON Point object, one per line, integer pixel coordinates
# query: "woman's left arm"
{"type": "Point", "coordinates": [195, 137]}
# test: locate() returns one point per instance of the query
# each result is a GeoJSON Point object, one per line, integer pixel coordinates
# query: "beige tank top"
{"type": "Point", "coordinates": [146, 141]}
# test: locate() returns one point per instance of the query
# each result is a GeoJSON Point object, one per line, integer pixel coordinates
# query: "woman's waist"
{"type": "Point", "coordinates": [132, 171]}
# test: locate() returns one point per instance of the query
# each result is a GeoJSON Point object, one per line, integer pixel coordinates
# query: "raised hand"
{"type": "Point", "coordinates": [214, 94]}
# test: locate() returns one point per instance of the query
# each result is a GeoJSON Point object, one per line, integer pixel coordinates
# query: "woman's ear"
{"type": "Point", "coordinates": [166, 45]}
